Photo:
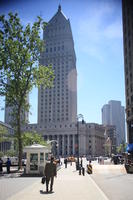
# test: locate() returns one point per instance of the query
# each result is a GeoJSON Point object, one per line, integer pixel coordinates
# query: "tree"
{"type": "Point", "coordinates": [121, 148]}
{"type": "Point", "coordinates": [11, 153]}
{"type": "Point", "coordinates": [3, 135]}
{"type": "Point", "coordinates": [1, 154]}
{"type": "Point", "coordinates": [29, 138]}
{"type": "Point", "coordinates": [20, 49]}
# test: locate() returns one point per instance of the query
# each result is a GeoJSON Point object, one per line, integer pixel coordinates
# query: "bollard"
{"type": "Point", "coordinates": [89, 169]}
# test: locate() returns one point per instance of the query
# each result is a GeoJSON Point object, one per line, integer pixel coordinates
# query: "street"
{"type": "Point", "coordinates": [116, 184]}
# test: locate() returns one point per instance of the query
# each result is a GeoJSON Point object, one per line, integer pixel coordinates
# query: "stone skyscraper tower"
{"type": "Point", "coordinates": [59, 104]}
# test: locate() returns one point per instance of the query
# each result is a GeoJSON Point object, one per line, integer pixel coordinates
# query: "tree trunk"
{"type": "Point", "coordinates": [19, 139]}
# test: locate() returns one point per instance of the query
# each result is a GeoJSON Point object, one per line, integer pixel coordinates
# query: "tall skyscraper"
{"type": "Point", "coordinates": [59, 104]}
{"type": "Point", "coordinates": [106, 114]}
{"type": "Point", "coordinates": [127, 10]}
{"type": "Point", "coordinates": [57, 107]}
{"type": "Point", "coordinates": [113, 114]}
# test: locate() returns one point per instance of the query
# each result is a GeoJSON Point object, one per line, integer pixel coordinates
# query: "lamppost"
{"type": "Point", "coordinates": [52, 142]}
{"type": "Point", "coordinates": [79, 116]}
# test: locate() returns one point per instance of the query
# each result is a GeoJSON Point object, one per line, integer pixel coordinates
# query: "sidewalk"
{"type": "Point", "coordinates": [68, 185]}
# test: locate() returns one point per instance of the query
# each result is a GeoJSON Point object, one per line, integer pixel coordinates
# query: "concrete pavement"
{"type": "Point", "coordinates": [68, 185]}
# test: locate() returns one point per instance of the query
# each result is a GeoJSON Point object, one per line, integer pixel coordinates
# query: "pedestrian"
{"type": "Point", "coordinates": [71, 162]}
{"type": "Point", "coordinates": [59, 161]}
{"type": "Point", "coordinates": [80, 168]}
{"type": "Point", "coordinates": [50, 171]}
{"type": "Point", "coordinates": [1, 167]}
{"type": "Point", "coordinates": [65, 162]}
{"type": "Point", "coordinates": [81, 162]}
{"type": "Point", "coordinates": [83, 171]}
{"type": "Point", "coordinates": [8, 165]}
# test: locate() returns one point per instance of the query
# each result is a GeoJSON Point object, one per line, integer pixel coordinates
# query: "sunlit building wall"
{"type": "Point", "coordinates": [114, 114]}
{"type": "Point", "coordinates": [59, 104]}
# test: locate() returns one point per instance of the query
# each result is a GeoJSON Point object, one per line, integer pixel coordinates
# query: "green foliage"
{"type": "Point", "coordinates": [30, 138]}
{"type": "Point", "coordinates": [3, 133]}
{"type": "Point", "coordinates": [20, 50]}
{"type": "Point", "coordinates": [121, 148]}
{"type": "Point", "coordinates": [1, 154]}
{"type": "Point", "coordinates": [11, 153]}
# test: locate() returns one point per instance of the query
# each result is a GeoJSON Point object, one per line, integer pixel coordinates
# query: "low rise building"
{"type": "Point", "coordinates": [6, 144]}
{"type": "Point", "coordinates": [86, 138]}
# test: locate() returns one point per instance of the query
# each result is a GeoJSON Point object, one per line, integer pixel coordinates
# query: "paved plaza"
{"type": "Point", "coordinates": [68, 185]}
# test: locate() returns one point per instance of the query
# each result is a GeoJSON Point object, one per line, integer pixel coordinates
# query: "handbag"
{"type": "Point", "coordinates": [43, 180]}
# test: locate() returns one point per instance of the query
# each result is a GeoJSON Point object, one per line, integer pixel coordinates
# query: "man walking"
{"type": "Point", "coordinates": [50, 171]}
{"type": "Point", "coordinates": [8, 164]}
{"type": "Point", "coordinates": [1, 167]}
{"type": "Point", "coordinates": [65, 162]}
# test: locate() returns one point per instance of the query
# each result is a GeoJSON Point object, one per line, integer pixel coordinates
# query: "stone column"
{"type": "Point", "coordinates": [73, 145]}
{"type": "Point", "coordinates": [63, 144]}
{"type": "Point", "coordinates": [58, 147]}
{"type": "Point", "coordinates": [68, 143]}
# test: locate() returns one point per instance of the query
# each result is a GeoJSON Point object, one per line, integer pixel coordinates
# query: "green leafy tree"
{"type": "Point", "coordinates": [11, 153]}
{"type": "Point", "coordinates": [20, 49]}
{"type": "Point", "coordinates": [1, 154]}
{"type": "Point", "coordinates": [30, 138]}
{"type": "Point", "coordinates": [121, 148]}
{"type": "Point", "coordinates": [3, 134]}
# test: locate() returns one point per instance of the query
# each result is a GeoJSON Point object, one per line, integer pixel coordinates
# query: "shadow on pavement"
{"type": "Point", "coordinates": [30, 175]}
{"type": "Point", "coordinates": [44, 192]}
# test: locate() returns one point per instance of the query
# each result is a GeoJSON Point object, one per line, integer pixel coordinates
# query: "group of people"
{"type": "Point", "coordinates": [8, 165]}
{"type": "Point", "coordinates": [79, 165]}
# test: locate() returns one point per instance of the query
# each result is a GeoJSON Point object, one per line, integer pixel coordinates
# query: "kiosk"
{"type": "Point", "coordinates": [36, 156]}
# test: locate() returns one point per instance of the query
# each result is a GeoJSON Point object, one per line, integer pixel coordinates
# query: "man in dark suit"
{"type": "Point", "coordinates": [50, 171]}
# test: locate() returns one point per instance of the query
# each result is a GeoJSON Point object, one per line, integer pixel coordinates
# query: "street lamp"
{"type": "Point", "coordinates": [52, 142]}
{"type": "Point", "coordinates": [79, 116]}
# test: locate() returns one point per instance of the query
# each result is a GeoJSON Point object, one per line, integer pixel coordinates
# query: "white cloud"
{"type": "Point", "coordinates": [99, 30]}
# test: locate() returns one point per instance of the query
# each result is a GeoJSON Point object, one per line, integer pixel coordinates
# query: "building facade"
{"type": "Point", "coordinates": [106, 114]}
{"type": "Point", "coordinates": [110, 135]}
{"type": "Point", "coordinates": [127, 11]}
{"type": "Point", "coordinates": [59, 104]}
{"type": "Point", "coordinates": [95, 140]}
{"type": "Point", "coordinates": [113, 114]}
{"type": "Point", "coordinates": [6, 145]}
{"type": "Point", "coordinates": [86, 138]}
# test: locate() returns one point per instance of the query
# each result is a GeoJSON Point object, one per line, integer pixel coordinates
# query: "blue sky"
{"type": "Point", "coordinates": [97, 33]}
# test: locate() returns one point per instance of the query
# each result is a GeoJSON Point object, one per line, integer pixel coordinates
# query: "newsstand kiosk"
{"type": "Point", "coordinates": [36, 156]}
